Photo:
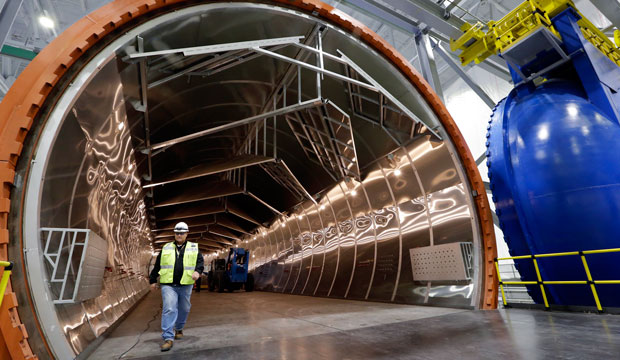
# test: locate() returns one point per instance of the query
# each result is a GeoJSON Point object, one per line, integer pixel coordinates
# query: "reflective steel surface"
{"type": "Point", "coordinates": [366, 256]}
{"type": "Point", "coordinates": [92, 182]}
{"type": "Point", "coordinates": [352, 243]}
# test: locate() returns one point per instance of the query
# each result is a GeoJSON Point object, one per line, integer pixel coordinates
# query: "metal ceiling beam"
{"type": "Point", "coordinates": [197, 66]}
{"type": "Point", "coordinates": [233, 209]}
{"type": "Point", "coordinates": [202, 192]}
{"type": "Point", "coordinates": [210, 49]}
{"type": "Point", "coordinates": [216, 64]}
{"type": "Point", "coordinates": [234, 124]}
{"type": "Point", "coordinates": [285, 177]}
{"type": "Point", "coordinates": [316, 69]}
{"type": "Point", "coordinates": [196, 209]}
{"type": "Point", "coordinates": [222, 231]}
{"type": "Point", "coordinates": [210, 168]}
{"type": "Point", "coordinates": [230, 224]}
{"type": "Point", "coordinates": [216, 238]}
{"type": "Point", "coordinates": [264, 203]}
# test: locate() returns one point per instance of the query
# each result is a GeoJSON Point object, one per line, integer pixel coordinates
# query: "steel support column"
{"type": "Point", "coordinates": [428, 66]}
{"type": "Point", "coordinates": [462, 74]}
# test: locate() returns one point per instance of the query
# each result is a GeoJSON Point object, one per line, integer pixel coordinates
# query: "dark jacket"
{"type": "Point", "coordinates": [178, 266]}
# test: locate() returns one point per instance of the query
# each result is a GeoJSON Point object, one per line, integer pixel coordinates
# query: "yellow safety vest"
{"type": "Point", "coordinates": [168, 257]}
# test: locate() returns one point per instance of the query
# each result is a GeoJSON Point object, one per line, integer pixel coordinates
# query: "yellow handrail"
{"type": "Point", "coordinates": [8, 267]}
{"type": "Point", "coordinates": [542, 282]}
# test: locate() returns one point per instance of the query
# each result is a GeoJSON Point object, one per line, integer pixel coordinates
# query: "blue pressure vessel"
{"type": "Point", "coordinates": [554, 169]}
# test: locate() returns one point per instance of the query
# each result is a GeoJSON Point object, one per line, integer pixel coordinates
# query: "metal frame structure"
{"type": "Point", "coordinates": [322, 129]}
{"type": "Point", "coordinates": [54, 258]}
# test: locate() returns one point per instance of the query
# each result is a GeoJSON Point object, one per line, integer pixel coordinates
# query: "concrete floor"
{"type": "Point", "coordinates": [274, 326]}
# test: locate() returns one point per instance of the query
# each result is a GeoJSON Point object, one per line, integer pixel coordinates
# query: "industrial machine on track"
{"type": "Point", "coordinates": [231, 273]}
{"type": "Point", "coordinates": [553, 149]}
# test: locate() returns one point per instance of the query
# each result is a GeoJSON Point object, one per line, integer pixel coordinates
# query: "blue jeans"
{"type": "Point", "coordinates": [176, 307]}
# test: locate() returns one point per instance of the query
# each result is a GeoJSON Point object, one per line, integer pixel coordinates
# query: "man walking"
{"type": "Point", "coordinates": [178, 265]}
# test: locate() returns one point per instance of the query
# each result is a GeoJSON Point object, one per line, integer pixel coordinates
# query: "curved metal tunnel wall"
{"type": "Point", "coordinates": [88, 174]}
{"type": "Point", "coordinates": [357, 246]}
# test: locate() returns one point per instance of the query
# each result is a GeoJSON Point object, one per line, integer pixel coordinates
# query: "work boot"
{"type": "Point", "coordinates": [178, 334]}
{"type": "Point", "coordinates": [167, 345]}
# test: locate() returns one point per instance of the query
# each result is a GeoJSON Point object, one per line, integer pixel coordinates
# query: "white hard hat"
{"type": "Point", "coordinates": [181, 228]}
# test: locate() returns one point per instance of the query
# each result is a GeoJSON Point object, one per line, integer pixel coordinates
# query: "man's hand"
{"type": "Point", "coordinates": [154, 286]}
{"type": "Point", "coordinates": [195, 276]}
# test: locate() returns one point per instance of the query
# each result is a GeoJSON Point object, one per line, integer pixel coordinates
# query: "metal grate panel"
{"type": "Point", "coordinates": [77, 258]}
{"type": "Point", "coordinates": [442, 262]}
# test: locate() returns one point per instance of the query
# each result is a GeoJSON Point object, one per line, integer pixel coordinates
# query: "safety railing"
{"type": "Point", "coordinates": [8, 267]}
{"type": "Point", "coordinates": [540, 282]}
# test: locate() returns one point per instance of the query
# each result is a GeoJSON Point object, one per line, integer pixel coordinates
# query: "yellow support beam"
{"type": "Point", "coordinates": [542, 287]}
{"type": "Point", "coordinates": [476, 45]}
{"type": "Point", "coordinates": [594, 293]}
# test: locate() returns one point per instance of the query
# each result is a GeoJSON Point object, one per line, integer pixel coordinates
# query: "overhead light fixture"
{"type": "Point", "coordinates": [397, 172]}
{"type": "Point", "coordinates": [300, 217]}
{"type": "Point", "coordinates": [46, 22]}
{"type": "Point", "coordinates": [121, 125]}
{"type": "Point", "coordinates": [322, 207]}
{"type": "Point", "coordinates": [254, 237]}
{"type": "Point", "coordinates": [353, 192]}
{"type": "Point", "coordinates": [283, 225]}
